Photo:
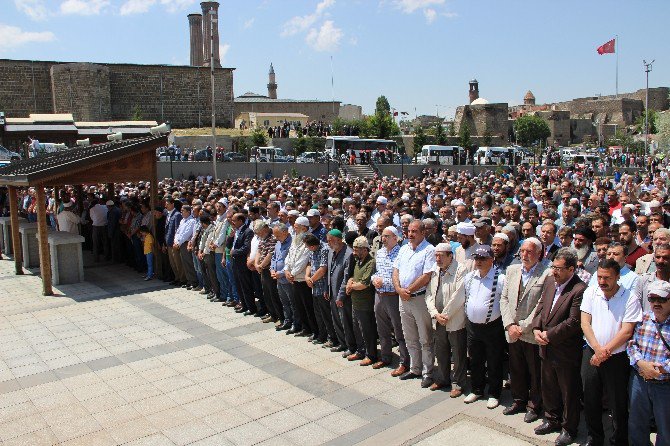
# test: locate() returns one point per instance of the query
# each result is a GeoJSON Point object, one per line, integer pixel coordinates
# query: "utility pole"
{"type": "Point", "coordinates": [647, 70]}
{"type": "Point", "coordinates": [211, 65]}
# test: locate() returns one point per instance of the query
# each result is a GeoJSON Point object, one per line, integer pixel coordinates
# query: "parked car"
{"type": "Point", "coordinates": [8, 155]}
{"type": "Point", "coordinates": [203, 155]}
{"type": "Point", "coordinates": [308, 157]}
{"type": "Point", "coordinates": [233, 157]}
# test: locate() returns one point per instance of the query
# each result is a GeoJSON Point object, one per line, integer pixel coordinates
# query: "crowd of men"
{"type": "Point", "coordinates": [554, 284]}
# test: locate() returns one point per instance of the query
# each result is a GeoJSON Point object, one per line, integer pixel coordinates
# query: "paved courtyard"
{"type": "Point", "coordinates": [117, 360]}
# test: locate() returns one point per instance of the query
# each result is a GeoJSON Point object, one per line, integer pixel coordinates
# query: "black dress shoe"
{"type": "Point", "coordinates": [240, 310]}
{"type": "Point", "coordinates": [247, 313]}
{"type": "Point", "coordinates": [303, 334]}
{"type": "Point", "coordinates": [217, 299]}
{"type": "Point", "coordinates": [530, 416]}
{"type": "Point", "coordinates": [514, 409]}
{"type": "Point", "coordinates": [409, 375]}
{"type": "Point", "coordinates": [426, 382]}
{"type": "Point", "coordinates": [564, 439]}
{"type": "Point", "coordinates": [310, 339]}
{"type": "Point", "coordinates": [346, 353]}
{"type": "Point", "coordinates": [318, 341]}
{"type": "Point", "coordinates": [338, 348]}
{"type": "Point", "coordinates": [546, 428]}
{"type": "Point", "coordinates": [291, 331]}
{"type": "Point", "coordinates": [283, 327]}
{"type": "Point", "coordinates": [259, 315]}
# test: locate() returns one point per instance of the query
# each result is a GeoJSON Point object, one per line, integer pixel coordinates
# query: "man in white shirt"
{"type": "Point", "coordinates": [412, 270]}
{"type": "Point", "coordinates": [466, 237]}
{"type": "Point", "coordinates": [609, 314]}
{"type": "Point", "coordinates": [627, 278]}
{"type": "Point", "coordinates": [486, 335]}
{"type": "Point", "coordinates": [181, 239]}
{"type": "Point", "coordinates": [98, 214]}
{"type": "Point", "coordinates": [68, 221]}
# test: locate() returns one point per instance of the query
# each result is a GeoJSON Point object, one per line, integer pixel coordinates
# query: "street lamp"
{"type": "Point", "coordinates": [647, 69]}
{"type": "Point", "coordinates": [212, 21]}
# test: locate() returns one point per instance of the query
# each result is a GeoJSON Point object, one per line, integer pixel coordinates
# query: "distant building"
{"type": "Point", "coordinates": [251, 120]}
{"type": "Point", "coordinates": [351, 112]}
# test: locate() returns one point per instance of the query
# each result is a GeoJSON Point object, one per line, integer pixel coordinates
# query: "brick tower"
{"type": "Point", "coordinates": [474, 90]}
{"type": "Point", "coordinates": [272, 84]}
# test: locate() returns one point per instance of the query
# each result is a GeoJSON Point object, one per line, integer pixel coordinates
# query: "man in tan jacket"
{"type": "Point", "coordinates": [445, 300]}
{"type": "Point", "coordinates": [518, 304]}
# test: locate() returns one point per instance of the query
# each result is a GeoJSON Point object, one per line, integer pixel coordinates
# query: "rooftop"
{"type": "Point", "coordinates": [249, 97]}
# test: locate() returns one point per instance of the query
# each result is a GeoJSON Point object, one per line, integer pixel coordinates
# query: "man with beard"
{"type": "Point", "coordinates": [502, 255]}
{"type": "Point", "coordinates": [483, 231]}
{"type": "Point", "coordinates": [661, 273]}
{"type": "Point", "coordinates": [600, 226]}
{"type": "Point", "coordinates": [466, 237]}
{"type": "Point", "coordinates": [627, 231]}
{"type": "Point", "coordinates": [587, 258]}
{"type": "Point", "coordinates": [645, 264]}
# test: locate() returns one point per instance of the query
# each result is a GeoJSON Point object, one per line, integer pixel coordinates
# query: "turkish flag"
{"type": "Point", "coordinates": [606, 47]}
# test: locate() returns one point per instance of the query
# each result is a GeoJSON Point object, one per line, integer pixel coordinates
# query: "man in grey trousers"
{"type": "Point", "coordinates": [338, 261]}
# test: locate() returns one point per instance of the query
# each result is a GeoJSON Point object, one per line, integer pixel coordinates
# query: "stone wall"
{"type": "Point", "coordinates": [81, 89]}
{"type": "Point", "coordinates": [559, 124]}
{"type": "Point", "coordinates": [317, 111]}
{"type": "Point", "coordinates": [483, 119]}
{"type": "Point", "coordinates": [179, 94]}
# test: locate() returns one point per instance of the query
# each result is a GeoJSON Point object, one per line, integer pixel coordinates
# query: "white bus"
{"type": "Point", "coordinates": [510, 156]}
{"type": "Point", "coordinates": [385, 149]}
{"type": "Point", "coordinates": [445, 155]}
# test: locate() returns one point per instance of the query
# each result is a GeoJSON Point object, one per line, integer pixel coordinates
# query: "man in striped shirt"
{"type": "Point", "coordinates": [387, 303]}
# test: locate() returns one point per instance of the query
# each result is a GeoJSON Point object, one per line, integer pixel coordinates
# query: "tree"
{"type": "Point", "coordinates": [382, 126]}
{"type": "Point", "coordinates": [382, 106]}
{"type": "Point", "coordinates": [653, 119]}
{"type": "Point", "coordinates": [531, 130]}
{"type": "Point", "coordinates": [420, 140]}
{"type": "Point", "coordinates": [663, 134]}
{"type": "Point", "coordinates": [259, 137]}
{"type": "Point", "coordinates": [137, 113]}
{"type": "Point", "coordinates": [300, 145]}
{"type": "Point", "coordinates": [464, 139]}
{"type": "Point", "coordinates": [452, 129]}
{"type": "Point", "coordinates": [440, 136]}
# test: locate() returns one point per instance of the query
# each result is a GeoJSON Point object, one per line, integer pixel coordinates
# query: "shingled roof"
{"type": "Point", "coordinates": [37, 170]}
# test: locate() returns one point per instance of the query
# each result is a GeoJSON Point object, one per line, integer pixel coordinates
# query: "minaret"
{"type": "Point", "coordinates": [474, 90]}
{"type": "Point", "coordinates": [195, 27]}
{"type": "Point", "coordinates": [272, 85]}
{"type": "Point", "coordinates": [210, 10]}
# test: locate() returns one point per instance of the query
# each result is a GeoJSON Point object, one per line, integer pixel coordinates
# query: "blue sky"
{"type": "Point", "coordinates": [419, 53]}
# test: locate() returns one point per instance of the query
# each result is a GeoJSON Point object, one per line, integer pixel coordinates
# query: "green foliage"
{"type": "Point", "coordinates": [420, 140]}
{"type": "Point", "coordinates": [464, 139]}
{"type": "Point", "coordinates": [300, 145]}
{"type": "Point", "coordinates": [663, 134]}
{"type": "Point", "coordinates": [653, 120]}
{"type": "Point", "coordinates": [452, 129]}
{"type": "Point", "coordinates": [259, 137]}
{"type": "Point", "coordinates": [382, 106]}
{"type": "Point", "coordinates": [488, 139]}
{"type": "Point", "coordinates": [338, 126]}
{"type": "Point", "coordinates": [440, 135]}
{"type": "Point", "coordinates": [136, 114]}
{"type": "Point", "coordinates": [382, 126]}
{"type": "Point", "coordinates": [531, 130]}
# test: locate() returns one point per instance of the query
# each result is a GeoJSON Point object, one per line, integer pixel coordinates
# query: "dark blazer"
{"type": "Point", "coordinates": [552, 252]}
{"type": "Point", "coordinates": [563, 322]}
{"type": "Point", "coordinates": [173, 220]}
{"type": "Point", "coordinates": [337, 266]}
{"type": "Point", "coordinates": [242, 245]}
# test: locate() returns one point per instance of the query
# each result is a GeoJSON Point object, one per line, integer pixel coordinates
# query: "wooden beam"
{"type": "Point", "coordinates": [16, 238]}
{"type": "Point", "coordinates": [45, 257]}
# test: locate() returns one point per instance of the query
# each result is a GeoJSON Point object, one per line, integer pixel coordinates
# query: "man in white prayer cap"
{"type": "Point", "coordinates": [466, 237]}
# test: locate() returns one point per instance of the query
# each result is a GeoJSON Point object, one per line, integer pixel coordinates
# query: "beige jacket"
{"type": "Point", "coordinates": [452, 293]}
{"type": "Point", "coordinates": [521, 310]}
{"type": "Point", "coordinates": [643, 263]}
{"type": "Point", "coordinates": [464, 257]}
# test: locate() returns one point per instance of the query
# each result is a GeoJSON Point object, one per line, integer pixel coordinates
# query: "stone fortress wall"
{"type": "Point", "coordinates": [106, 92]}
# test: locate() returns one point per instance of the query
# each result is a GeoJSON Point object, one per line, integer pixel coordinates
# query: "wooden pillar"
{"type": "Point", "coordinates": [45, 257]}
{"type": "Point", "coordinates": [16, 238]}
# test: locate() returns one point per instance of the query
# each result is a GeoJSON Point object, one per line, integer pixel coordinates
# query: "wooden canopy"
{"type": "Point", "coordinates": [113, 162]}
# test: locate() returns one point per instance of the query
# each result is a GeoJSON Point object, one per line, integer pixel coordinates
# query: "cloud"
{"type": "Point", "coordinates": [249, 23]}
{"type": "Point", "coordinates": [34, 9]}
{"type": "Point", "coordinates": [136, 6]}
{"type": "Point", "coordinates": [83, 7]}
{"type": "Point", "coordinates": [12, 37]}
{"type": "Point", "coordinates": [223, 51]}
{"type": "Point", "coordinates": [176, 5]}
{"type": "Point", "coordinates": [409, 6]}
{"type": "Point", "coordinates": [299, 24]}
{"type": "Point", "coordinates": [430, 15]}
{"type": "Point", "coordinates": [327, 38]}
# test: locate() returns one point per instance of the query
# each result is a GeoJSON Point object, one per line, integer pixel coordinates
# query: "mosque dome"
{"type": "Point", "coordinates": [479, 101]}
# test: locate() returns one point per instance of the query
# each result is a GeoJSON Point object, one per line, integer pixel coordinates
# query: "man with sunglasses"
{"type": "Point", "coordinates": [649, 353]}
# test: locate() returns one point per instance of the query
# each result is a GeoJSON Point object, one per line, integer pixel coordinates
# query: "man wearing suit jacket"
{"type": "Point", "coordinates": [548, 236]}
{"type": "Point", "coordinates": [518, 304]}
{"type": "Point", "coordinates": [241, 246]}
{"type": "Point", "coordinates": [558, 331]}
{"type": "Point", "coordinates": [338, 262]}
{"type": "Point", "coordinates": [172, 221]}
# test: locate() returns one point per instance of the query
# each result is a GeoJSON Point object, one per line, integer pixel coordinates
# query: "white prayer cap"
{"type": "Point", "coordinates": [534, 241]}
{"type": "Point", "coordinates": [443, 247]}
{"type": "Point", "coordinates": [302, 221]}
{"type": "Point", "coordinates": [393, 230]}
{"type": "Point", "coordinates": [501, 236]}
{"type": "Point", "coordinates": [382, 200]}
{"type": "Point", "coordinates": [294, 213]}
{"type": "Point", "coordinates": [465, 228]}
{"type": "Point", "coordinates": [457, 202]}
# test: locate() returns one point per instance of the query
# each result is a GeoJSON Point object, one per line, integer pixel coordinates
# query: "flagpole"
{"type": "Point", "coordinates": [616, 50]}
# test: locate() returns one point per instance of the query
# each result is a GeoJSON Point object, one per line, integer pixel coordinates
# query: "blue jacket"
{"type": "Point", "coordinates": [171, 223]}
{"type": "Point", "coordinates": [277, 262]}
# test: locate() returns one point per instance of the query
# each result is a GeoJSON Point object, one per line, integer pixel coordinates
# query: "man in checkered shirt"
{"type": "Point", "coordinates": [315, 277]}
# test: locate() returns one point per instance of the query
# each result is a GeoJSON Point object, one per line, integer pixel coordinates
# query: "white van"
{"type": "Point", "coordinates": [494, 155]}
{"type": "Point", "coordinates": [434, 154]}
{"type": "Point", "coordinates": [270, 154]}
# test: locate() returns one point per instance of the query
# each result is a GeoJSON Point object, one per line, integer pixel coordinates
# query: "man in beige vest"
{"type": "Point", "coordinates": [518, 303]}
{"type": "Point", "coordinates": [445, 299]}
